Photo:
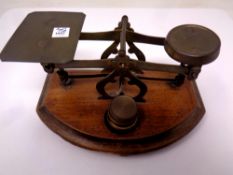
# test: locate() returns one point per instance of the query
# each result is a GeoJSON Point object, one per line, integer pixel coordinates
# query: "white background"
{"type": "Point", "coordinates": [226, 5]}
{"type": "Point", "coordinates": [28, 147]}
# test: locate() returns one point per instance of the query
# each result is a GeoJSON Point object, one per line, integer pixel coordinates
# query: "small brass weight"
{"type": "Point", "coordinates": [126, 106]}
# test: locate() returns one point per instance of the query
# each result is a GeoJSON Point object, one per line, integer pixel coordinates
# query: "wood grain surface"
{"type": "Point", "coordinates": [76, 113]}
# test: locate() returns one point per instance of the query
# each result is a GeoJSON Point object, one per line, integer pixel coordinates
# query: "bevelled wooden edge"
{"type": "Point", "coordinates": [122, 147]}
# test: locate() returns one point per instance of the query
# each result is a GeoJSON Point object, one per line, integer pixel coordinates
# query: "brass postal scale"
{"type": "Point", "coordinates": [126, 106]}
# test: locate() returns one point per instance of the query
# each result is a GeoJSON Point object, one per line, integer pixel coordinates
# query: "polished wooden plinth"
{"type": "Point", "coordinates": [76, 113]}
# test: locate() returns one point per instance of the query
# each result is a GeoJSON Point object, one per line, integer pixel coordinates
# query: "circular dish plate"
{"type": "Point", "coordinates": [192, 44]}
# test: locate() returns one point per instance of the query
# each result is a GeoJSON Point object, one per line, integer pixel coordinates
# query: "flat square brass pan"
{"type": "Point", "coordinates": [33, 40]}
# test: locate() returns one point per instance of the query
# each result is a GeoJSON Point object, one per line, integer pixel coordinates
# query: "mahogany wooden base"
{"type": "Point", "coordinates": [77, 114]}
